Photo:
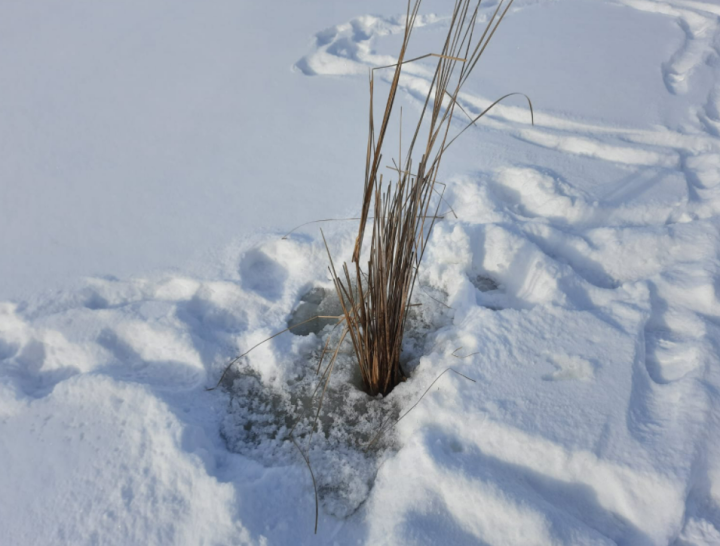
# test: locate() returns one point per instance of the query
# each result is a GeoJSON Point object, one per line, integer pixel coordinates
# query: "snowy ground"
{"type": "Point", "coordinates": [185, 138]}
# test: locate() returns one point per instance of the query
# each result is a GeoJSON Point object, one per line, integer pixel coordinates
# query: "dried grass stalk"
{"type": "Point", "coordinates": [375, 301]}
{"type": "Point", "coordinates": [377, 288]}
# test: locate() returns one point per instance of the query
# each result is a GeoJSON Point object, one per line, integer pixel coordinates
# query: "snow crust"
{"type": "Point", "coordinates": [577, 288]}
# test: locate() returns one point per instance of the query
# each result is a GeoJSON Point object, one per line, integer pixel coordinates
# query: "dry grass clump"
{"type": "Point", "coordinates": [404, 212]}
{"type": "Point", "coordinates": [375, 291]}
{"type": "Point", "coordinates": [375, 301]}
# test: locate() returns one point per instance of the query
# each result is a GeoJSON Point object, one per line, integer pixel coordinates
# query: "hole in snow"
{"type": "Point", "coordinates": [262, 413]}
{"type": "Point", "coordinates": [484, 284]}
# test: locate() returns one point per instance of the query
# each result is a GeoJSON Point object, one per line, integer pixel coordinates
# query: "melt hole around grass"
{"type": "Point", "coordinates": [261, 414]}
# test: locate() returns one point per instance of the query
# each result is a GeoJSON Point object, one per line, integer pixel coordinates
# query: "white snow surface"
{"type": "Point", "coordinates": [154, 153]}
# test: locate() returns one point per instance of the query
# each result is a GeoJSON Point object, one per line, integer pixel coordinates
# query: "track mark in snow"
{"type": "Point", "coordinates": [35, 360]}
{"type": "Point", "coordinates": [626, 155]}
{"type": "Point", "coordinates": [700, 27]}
{"type": "Point", "coordinates": [152, 356]}
{"type": "Point", "coordinates": [710, 113]}
{"type": "Point", "coordinates": [349, 50]}
{"type": "Point", "coordinates": [669, 360]}
{"type": "Point", "coordinates": [261, 274]}
{"type": "Point", "coordinates": [570, 367]}
{"type": "Point", "coordinates": [533, 193]}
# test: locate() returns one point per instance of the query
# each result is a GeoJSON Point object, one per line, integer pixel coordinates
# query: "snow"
{"type": "Point", "coordinates": [155, 154]}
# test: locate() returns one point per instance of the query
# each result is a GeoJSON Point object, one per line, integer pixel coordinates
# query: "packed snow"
{"type": "Point", "coordinates": [156, 153]}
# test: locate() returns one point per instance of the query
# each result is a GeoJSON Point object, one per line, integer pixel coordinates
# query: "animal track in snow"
{"type": "Point", "coordinates": [570, 367]}
{"type": "Point", "coordinates": [699, 22]}
{"type": "Point", "coordinates": [349, 49]}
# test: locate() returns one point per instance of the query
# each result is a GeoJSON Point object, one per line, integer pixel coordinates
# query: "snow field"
{"type": "Point", "coordinates": [581, 280]}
